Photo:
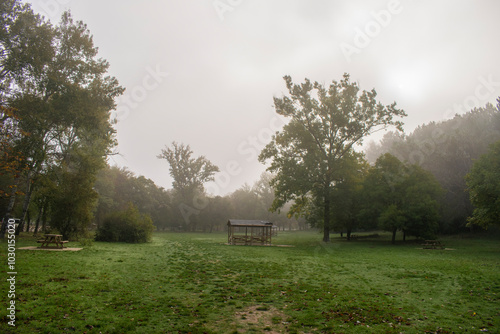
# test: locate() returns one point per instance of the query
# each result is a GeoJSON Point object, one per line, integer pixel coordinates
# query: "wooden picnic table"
{"type": "Point", "coordinates": [433, 244]}
{"type": "Point", "coordinates": [52, 239]}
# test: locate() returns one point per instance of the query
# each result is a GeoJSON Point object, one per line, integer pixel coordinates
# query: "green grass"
{"type": "Point", "coordinates": [182, 283]}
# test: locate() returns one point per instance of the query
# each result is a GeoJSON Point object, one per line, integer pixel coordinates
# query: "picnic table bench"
{"type": "Point", "coordinates": [52, 239]}
{"type": "Point", "coordinates": [433, 244]}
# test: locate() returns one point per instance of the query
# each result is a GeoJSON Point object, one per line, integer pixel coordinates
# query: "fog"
{"type": "Point", "coordinates": [204, 73]}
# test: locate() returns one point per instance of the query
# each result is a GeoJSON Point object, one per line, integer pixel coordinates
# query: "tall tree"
{"type": "Point", "coordinates": [62, 96]}
{"type": "Point", "coordinates": [189, 176]}
{"type": "Point", "coordinates": [12, 163]}
{"type": "Point", "coordinates": [325, 123]}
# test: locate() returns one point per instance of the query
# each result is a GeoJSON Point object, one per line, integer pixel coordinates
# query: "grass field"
{"type": "Point", "coordinates": [182, 283]}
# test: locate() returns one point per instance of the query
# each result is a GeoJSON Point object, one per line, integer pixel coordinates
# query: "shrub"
{"type": "Point", "coordinates": [126, 226]}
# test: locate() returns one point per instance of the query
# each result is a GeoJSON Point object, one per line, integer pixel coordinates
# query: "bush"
{"type": "Point", "coordinates": [126, 226]}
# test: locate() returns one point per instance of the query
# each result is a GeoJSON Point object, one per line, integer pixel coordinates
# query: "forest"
{"type": "Point", "coordinates": [57, 134]}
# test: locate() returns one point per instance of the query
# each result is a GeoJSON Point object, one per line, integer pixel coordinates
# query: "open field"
{"type": "Point", "coordinates": [195, 283]}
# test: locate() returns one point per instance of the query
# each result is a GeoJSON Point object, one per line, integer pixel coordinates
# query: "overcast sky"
{"type": "Point", "coordinates": [204, 72]}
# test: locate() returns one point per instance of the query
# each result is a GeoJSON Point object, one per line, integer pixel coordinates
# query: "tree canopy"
{"type": "Point", "coordinates": [61, 97]}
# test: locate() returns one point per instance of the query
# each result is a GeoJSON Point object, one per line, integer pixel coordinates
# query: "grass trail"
{"type": "Point", "coordinates": [182, 283]}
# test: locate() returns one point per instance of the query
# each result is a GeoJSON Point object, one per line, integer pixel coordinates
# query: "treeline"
{"type": "Point", "coordinates": [448, 150]}
{"type": "Point", "coordinates": [118, 187]}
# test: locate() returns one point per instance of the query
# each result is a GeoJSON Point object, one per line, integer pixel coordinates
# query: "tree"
{"type": "Point", "coordinates": [322, 130]}
{"type": "Point", "coordinates": [12, 163]}
{"type": "Point", "coordinates": [25, 43]}
{"type": "Point", "coordinates": [62, 96]}
{"type": "Point", "coordinates": [189, 174]}
{"type": "Point", "coordinates": [422, 198]}
{"type": "Point", "coordinates": [483, 184]}
{"type": "Point", "coordinates": [401, 197]}
{"type": "Point", "coordinates": [383, 195]}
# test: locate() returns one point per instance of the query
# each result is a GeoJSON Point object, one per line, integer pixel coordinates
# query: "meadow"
{"type": "Point", "coordinates": [195, 283]}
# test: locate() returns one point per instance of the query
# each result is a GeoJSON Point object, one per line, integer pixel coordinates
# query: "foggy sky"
{"type": "Point", "coordinates": [204, 72]}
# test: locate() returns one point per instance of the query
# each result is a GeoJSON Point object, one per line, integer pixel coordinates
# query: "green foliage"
{"type": "Point", "coordinates": [325, 123]}
{"type": "Point", "coordinates": [392, 218]}
{"type": "Point", "coordinates": [448, 150]}
{"type": "Point", "coordinates": [72, 203]}
{"type": "Point", "coordinates": [117, 187]}
{"type": "Point", "coordinates": [346, 196]}
{"type": "Point", "coordinates": [401, 197]}
{"type": "Point", "coordinates": [189, 175]}
{"type": "Point", "coordinates": [126, 226]}
{"type": "Point", "coordinates": [483, 184]}
{"type": "Point", "coordinates": [62, 97]}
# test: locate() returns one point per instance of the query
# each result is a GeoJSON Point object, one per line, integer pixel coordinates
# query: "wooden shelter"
{"type": "Point", "coordinates": [249, 232]}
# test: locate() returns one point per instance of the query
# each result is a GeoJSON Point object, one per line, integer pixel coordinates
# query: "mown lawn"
{"type": "Point", "coordinates": [182, 283]}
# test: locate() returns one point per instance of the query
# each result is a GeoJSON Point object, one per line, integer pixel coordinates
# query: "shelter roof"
{"type": "Point", "coordinates": [241, 222]}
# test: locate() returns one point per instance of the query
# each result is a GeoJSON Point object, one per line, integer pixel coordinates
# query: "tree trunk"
{"type": "Point", "coordinates": [12, 201]}
{"type": "Point", "coordinates": [394, 235]}
{"type": "Point", "coordinates": [28, 221]}
{"type": "Point", "coordinates": [404, 236]}
{"type": "Point", "coordinates": [27, 199]}
{"type": "Point", "coordinates": [349, 231]}
{"type": "Point", "coordinates": [44, 219]}
{"type": "Point", "coordinates": [37, 224]}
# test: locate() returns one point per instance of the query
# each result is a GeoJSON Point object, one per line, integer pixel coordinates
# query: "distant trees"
{"type": "Point", "coordinates": [189, 176]}
{"type": "Point", "coordinates": [255, 202]}
{"type": "Point", "coordinates": [118, 187]}
{"type": "Point", "coordinates": [447, 150]}
{"type": "Point", "coordinates": [325, 123]}
{"type": "Point", "coordinates": [483, 183]}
